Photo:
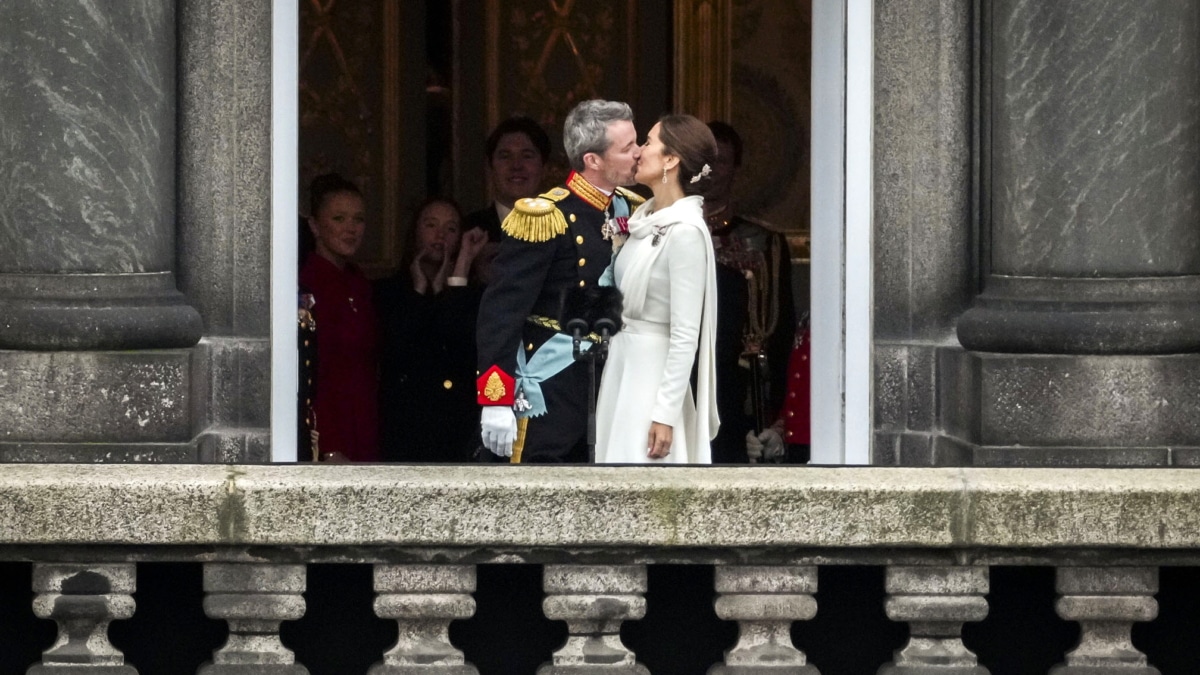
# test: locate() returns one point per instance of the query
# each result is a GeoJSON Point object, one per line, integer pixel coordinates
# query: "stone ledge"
{"type": "Point", "coordinates": [600, 507]}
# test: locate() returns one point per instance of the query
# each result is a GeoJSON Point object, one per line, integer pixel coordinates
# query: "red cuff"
{"type": "Point", "coordinates": [495, 387]}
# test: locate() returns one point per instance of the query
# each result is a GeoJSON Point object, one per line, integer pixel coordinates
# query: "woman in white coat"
{"type": "Point", "coordinates": [666, 270]}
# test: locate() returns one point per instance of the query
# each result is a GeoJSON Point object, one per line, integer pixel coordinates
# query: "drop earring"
{"type": "Point", "coordinates": [664, 175]}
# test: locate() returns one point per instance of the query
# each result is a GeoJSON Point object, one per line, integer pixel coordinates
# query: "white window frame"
{"type": "Point", "coordinates": [842, 213]}
{"type": "Point", "coordinates": [842, 210]}
{"type": "Point", "coordinates": [285, 163]}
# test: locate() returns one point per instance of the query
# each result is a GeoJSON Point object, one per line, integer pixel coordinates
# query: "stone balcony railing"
{"type": "Point", "coordinates": [595, 530]}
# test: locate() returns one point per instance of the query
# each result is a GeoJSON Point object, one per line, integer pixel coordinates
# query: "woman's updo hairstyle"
{"type": "Point", "coordinates": [325, 185]}
{"type": "Point", "coordinates": [692, 142]}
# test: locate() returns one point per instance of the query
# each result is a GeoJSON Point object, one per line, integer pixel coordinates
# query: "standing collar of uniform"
{"type": "Point", "coordinates": [587, 192]}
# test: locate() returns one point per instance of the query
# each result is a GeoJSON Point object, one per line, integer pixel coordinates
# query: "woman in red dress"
{"type": "Point", "coordinates": [345, 404]}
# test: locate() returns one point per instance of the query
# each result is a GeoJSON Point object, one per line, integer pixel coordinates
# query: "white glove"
{"type": "Point", "coordinates": [764, 447]}
{"type": "Point", "coordinates": [499, 429]}
{"type": "Point", "coordinates": [754, 447]}
{"type": "Point", "coordinates": [772, 444]}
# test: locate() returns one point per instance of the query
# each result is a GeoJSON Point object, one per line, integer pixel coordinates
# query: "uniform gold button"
{"type": "Point", "coordinates": [582, 262]}
{"type": "Point", "coordinates": [791, 413]}
{"type": "Point", "coordinates": [306, 343]}
{"type": "Point", "coordinates": [582, 283]}
{"type": "Point", "coordinates": [307, 362]}
{"type": "Point", "coordinates": [447, 385]}
{"type": "Point", "coordinates": [572, 217]}
{"type": "Point", "coordinates": [579, 239]}
{"type": "Point", "coordinates": [792, 394]}
{"type": "Point", "coordinates": [789, 434]}
{"type": "Point", "coordinates": [529, 347]}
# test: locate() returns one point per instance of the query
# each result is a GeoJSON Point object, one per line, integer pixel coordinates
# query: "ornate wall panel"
{"type": "Point", "coordinates": [544, 56]}
{"type": "Point", "coordinates": [349, 109]}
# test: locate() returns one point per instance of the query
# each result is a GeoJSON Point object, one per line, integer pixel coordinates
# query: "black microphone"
{"type": "Point", "coordinates": [578, 328]}
{"type": "Point", "coordinates": [606, 327]}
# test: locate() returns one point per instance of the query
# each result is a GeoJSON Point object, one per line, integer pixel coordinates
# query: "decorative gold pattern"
{"type": "Point", "coordinates": [519, 441]}
{"type": "Point", "coordinates": [494, 389]}
{"type": "Point", "coordinates": [587, 192]}
{"type": "Point", "coordinates": [560, 52]}
{"type": "Point", "coordinates": [635, 200]}
{"type": "Point", "coordinates": [552, 324]}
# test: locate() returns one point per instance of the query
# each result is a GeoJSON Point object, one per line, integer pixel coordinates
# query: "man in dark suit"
{"type": "Point", "coordinates": [517, 152]}
{"type": "Point", "coordinates": [553, 243]}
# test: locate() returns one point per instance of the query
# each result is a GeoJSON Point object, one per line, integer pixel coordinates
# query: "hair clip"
{"type": "Point", "coordinates": [703, 173]}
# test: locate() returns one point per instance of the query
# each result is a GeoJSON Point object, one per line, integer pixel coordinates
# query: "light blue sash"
{"type": "Point", "coordinates": [549, 360]}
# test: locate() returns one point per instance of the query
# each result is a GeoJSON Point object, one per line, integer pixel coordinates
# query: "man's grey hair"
{"type": "Point", "coordinates": [586, 128]}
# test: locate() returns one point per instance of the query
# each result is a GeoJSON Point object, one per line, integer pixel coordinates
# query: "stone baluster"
{"type": "Point", "coordinates": [594, 600]}
{"type": "Point", "coordinates": [1106, 601]}
{"type": "Point", "coordinates": [254, 599]}
{"type": "Point", "coordinates": [765, 601]}
{"type": "Point", "coordinates": [423, 599]}
{"type": "Point", "coordinates": [935, 601]}
{"type": "Point", "coordinates": [83, 600]}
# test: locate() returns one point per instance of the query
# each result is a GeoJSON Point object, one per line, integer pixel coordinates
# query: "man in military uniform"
{"type": "Point", "coordinates": [552, 243]}
{"type": "Point", "coordinates": [756, 318]}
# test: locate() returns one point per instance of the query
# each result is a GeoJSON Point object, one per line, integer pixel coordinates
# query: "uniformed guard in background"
{"type": "Point", "coordinates": [756, 318]}
{"type": "Point", "coordinates": [552, 244]}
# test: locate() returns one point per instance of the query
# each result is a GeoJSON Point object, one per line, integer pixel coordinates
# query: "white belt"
{"type": "Point", "coordinates": [642, 327]}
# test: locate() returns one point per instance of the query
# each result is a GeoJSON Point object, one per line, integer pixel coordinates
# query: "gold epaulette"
{"type": "Point", "coordinates": [537, 219]}
{"type": "Point", "coordinates": [635, 200]}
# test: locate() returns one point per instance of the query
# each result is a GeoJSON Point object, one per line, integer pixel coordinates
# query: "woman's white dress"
{"type": "Point", "coordinates": [669, 324]}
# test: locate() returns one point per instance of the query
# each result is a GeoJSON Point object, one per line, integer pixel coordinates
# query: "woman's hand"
{"type": "Point", "coordinates": [420, 281]}
{"type": "Point", "coordinates": [659, 443]}
{"type": "Point", "coordinates": [439, 280]}
{"type": "Point", "coordinates": [473, 241]}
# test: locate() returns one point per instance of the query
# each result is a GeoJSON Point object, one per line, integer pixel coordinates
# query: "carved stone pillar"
{"type": "Point", "coordinates": [424, 599]}
{"type": "Point", "coordinates": [83, 600]}
{"type": "Point", "coordinates": [1106, 601]}
{"type": "Point", "coordinates": [935, 601]}
{"type": "Point", "coordinates": [594, 600]}
{"type": "Point", "coordinates": [254, 599]}
{"type": "Point", "coordinates": [1094, 179]}
{"type": "Point", "coordinates": [1090, 238]}
{"type": "Point", "coordinates": [765, 601]}
{"type": "Point", "coordinates": [87, 209]}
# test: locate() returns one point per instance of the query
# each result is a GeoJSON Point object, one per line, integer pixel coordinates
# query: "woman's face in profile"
{"type": "Point", "coordinates": [438, 231]}
{"type": "Point", "coordinates": [339, 225]}
{"type": "Point", "coordinates": [650, 163]}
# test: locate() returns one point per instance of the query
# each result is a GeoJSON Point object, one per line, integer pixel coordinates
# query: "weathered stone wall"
{"type": "Point", "coordinates": [225, 219]}
{"type": "Point", "coordinates": [925, 270]}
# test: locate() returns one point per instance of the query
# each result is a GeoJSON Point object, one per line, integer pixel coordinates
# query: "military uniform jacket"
{"type": "Point", "coordinates": [536, 265]}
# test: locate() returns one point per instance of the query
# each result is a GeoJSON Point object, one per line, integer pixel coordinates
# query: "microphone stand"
{"type": "Point", "coordinates": [579, 328]}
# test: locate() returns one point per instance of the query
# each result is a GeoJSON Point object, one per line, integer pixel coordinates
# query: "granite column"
{"type": "Point", "coordinates": [1090, 309]}
{"type": "Point", "coordinates": [87, 193]}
